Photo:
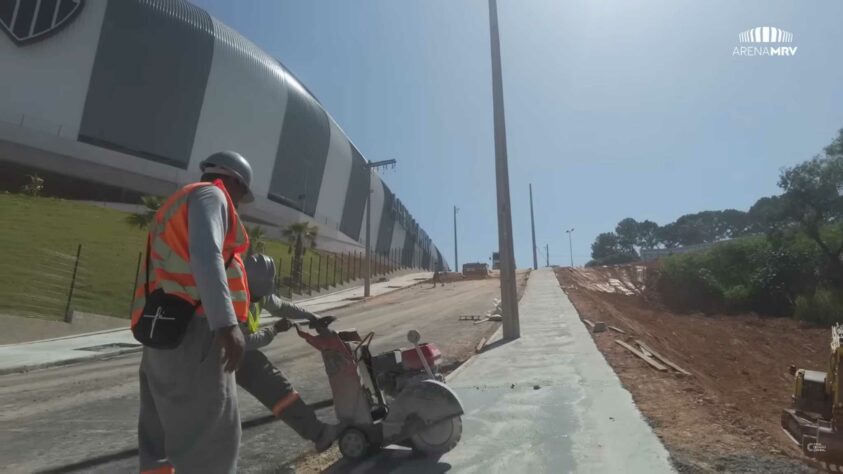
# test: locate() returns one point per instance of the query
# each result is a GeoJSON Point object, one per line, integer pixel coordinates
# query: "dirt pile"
{"type": "Point", "coordinates": [725, 416]}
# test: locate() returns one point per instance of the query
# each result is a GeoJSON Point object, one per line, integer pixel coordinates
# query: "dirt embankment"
{"type": "Point", "coordinates": [725, 416]}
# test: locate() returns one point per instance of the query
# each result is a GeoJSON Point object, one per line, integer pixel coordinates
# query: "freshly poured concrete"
{"type": "Point", "coordinates": [549, 402]}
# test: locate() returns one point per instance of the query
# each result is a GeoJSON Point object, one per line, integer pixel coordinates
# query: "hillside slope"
{"type": "Point", "coordinates": [725, 416]}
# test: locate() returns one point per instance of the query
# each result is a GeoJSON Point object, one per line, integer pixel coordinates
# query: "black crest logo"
{"type": "Point", "coordinates": [26, 21]}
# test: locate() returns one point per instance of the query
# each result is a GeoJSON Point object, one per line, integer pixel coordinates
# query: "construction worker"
{"type": "Point", "coordinates": [258, 375]}
{"type": "Point", "coordinates": [189, 419]}
{"type": "Point", "coordinates": [437, 276]}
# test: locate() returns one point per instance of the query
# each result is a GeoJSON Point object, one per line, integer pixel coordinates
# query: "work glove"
{"type": "Point", "coordinates": [282, 325]}
{"type": "Point", "coordinates": [234, 347]}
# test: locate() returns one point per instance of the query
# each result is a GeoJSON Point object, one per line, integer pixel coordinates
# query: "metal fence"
{"type": "Point", "coordinates": [321, 271]}
{"type": "Point", "coordinates": [53, 283]}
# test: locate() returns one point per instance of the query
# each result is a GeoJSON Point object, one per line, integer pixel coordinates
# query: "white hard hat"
{"type": "Point", "coordinates": [230, 163]}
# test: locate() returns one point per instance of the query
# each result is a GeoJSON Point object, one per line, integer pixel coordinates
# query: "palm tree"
{"type": "Point", "coordinates": [142, 219]}
{"type": "Point", "coordinates": [257, 239]}
{"type": "Point", "coordinates": [35, 185]}
{"type": "Point", "coordinates": [298, 234]}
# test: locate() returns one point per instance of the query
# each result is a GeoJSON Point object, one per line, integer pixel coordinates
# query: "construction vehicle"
{"type": "Point", "coordinates": [496, 260]}
{"type": "Point", "coordinates": [475, 270]}
{"type": "Point", "coordinates": [815, 420]}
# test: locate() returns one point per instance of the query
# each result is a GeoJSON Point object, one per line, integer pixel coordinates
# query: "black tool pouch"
{"type": "Point", "coordinates": [165, 317]}
{"type": "Point", "coordinates": [164, 321]}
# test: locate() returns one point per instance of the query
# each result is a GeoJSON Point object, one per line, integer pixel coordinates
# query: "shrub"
{"type": "Point", "coordinates": [686, 284]}
{"type": "Point", "coordinates": [824, 307]}
{"type": "Point", "coordinates": [737, 298]}
{"type": "Point", "coordinates": [748, 274]}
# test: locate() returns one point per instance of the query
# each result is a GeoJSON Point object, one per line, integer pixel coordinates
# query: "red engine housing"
{"type": "Point", "coordinates": [431, 353]}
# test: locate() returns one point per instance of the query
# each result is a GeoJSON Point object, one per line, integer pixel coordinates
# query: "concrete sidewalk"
{"type": "Point", "coordinates": [71, 349]}
{"type": "Point", "coordinates": [547, 402]}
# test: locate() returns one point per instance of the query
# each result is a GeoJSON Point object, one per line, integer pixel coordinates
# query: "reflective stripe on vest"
{"type": "Point", "coordinates": [169, 250]}
{"type": "Point", "coordinates": [254, 321]}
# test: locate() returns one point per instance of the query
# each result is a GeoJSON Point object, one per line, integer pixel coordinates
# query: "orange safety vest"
{"type": "Point", "coordinates": [169, 250]}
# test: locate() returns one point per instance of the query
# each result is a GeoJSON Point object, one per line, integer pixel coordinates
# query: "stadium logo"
{"type": "Point", "coordinates": [765, 41]}
{"type": "Point", "coordinates": [26, 21]}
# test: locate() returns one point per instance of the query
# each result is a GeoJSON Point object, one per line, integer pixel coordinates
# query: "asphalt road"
{"type": "Point", "coordinates": [82, 418]}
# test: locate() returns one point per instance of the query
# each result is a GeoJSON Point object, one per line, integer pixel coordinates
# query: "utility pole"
{"type": "Point", "coordinates": [570, 245]}
{"type": "Point", "coordinates": [456, 253]}
{"type": "Point", "coordinates": [509, 296]}
{"type": "Point", "coordinates": [370, 165]}
{"type": "Point", "coordinates": [533, 227]}
{"type": "Point", "coordinates": [547, 253]}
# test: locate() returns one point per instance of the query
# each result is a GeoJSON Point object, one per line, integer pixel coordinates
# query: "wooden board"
{"type": "Point", "coordinates": [662, 358]}
{"type": "Point", "coordinates": [646, 359]}
{"type": "Point", "coordinates": [613, 328]}
{"type": "Point", "coordinates": [590, 324]}
{"type": "Point", "coordinates": [479, 346]}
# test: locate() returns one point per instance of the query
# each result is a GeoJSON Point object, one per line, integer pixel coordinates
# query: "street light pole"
{"type": "Point", "coordinates": [547, 253]}
{"type": "Point", "coordinates": [570, 245]}
{"type": "Point", "coordinates": [533, 227]}
{"type": "Point", "coordinates": [367, 278]}
{"type": "Point", "coordinates": [456, 253]}
{"type": "Point", "coordinates": [509, 295]}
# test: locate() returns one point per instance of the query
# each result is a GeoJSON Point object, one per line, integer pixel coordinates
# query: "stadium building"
{"type": "Point", "coordinates": [112, 100]}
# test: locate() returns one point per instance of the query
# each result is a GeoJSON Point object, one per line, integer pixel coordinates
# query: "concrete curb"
{"type": "Point", "coordinates": [89, 358]}
{"type": "Point", "coordinates": [71, 336]}
{"type": "Point", "coordinates": [494, 337]}
{"type": "Point", "coordinates": [107, 355]}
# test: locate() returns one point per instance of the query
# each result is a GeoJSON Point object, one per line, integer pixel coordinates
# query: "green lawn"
{"type": "Point", "coordinates": [40, 237]}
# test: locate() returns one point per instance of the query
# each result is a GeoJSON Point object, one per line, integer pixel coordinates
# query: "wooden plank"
{"type": "Point", "coordinates": [616, 329]}
{"type": "Point", "coordinates": [479, 346]}
{"type": "Point", "coordinates": [662, 358]}
{"type": "Point", "coordinates": [646, 359]}
{"type": "Point", "coordinates": [590, 324]}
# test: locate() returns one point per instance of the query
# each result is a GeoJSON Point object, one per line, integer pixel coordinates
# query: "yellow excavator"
{"type": "Point", "coordinates": [815, 421]}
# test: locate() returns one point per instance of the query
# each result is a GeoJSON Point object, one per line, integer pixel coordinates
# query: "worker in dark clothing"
{"type": "Point", "coordinates": [258, 375]}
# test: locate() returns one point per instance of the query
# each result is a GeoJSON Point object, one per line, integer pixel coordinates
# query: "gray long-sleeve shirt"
{"type": "Point", "coordinates": [207, 217]}
{"type": "Point", "coordinates": [276, 307]}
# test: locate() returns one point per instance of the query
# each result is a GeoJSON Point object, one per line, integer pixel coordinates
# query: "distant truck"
{"type": "Point", "coordinates": [496, 260]}
{"type": "Point", "coordinates": [476, 270]}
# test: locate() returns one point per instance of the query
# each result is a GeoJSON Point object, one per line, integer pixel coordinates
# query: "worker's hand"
{"type": "Point", "coordinates": [282, 325]}
{"type": "Point", "coordinates": [233, 345]}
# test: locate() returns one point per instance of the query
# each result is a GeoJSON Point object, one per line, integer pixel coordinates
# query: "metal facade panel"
{"type": "Point", "coordinates": [243, 108]}
{"type": "Point", "coordinates": [302, 151]}
{"type": "Point", "coordinates": [387, 224]}
{"type": "Point", "coordinates": [46, 82]}
{"type": "Point", "coordinates": [334, 180]}
{"type": "Point", "coordinates": [377, 210]}
{"type": "Point", "coordinates": [148, 80]}
{"type": "Point", "coordinates": [355, 197]}
{"type": "Point", "coordinates": [397, 236]}
{"type": "Point", "coordinates": [408, 249]}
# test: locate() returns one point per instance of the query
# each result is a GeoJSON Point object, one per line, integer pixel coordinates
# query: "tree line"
{"type": "Point", "coordinates": [810, 202]}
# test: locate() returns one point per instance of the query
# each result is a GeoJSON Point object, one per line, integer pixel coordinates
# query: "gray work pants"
{"type": "Point", "coordinates": [267, 383]}
{"type": "Point", "coordinates": [189, 417]}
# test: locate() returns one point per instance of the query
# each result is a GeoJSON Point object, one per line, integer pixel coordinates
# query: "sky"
{"type": "Point", "coordinates": [614, 108]}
